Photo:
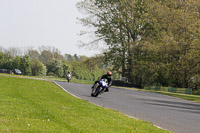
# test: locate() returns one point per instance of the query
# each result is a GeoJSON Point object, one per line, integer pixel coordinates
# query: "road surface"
{"type": "Point", "coordinates": [174, 114]}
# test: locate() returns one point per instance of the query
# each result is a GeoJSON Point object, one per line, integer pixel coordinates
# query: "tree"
{"type": "Point", "coordinates": [46, 57]}
{"type": "Point", "coordinates": [69, 57]}
{"type": "Point", "coordinates": [6, 60]}
{"type": "Point", "coordinates": [16, 63]}
{"type": "Point", "coordinates": [55, 67]}
{"type": "Point", "coordinates": [150, 42]}
{"type": "Point", "coordinates": [48, 53]}
{"type": "Point", "coordinates": [25, 65]}
{"type": "Point", "coordinates": [37, 68]}
{"type": "Point", "coordinates": [122, 25]}
{"type": "Point", "coordinates": [1, 59]}
{"type": "Point", "coordinates": [14, 51]}
{"type": "Point", "coordinates": [66, 67]}
{"type": "Point", "coordinates": [34, 54]}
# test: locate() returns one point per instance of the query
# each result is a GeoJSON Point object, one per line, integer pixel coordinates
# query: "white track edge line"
{"type": "Point", "coordinates": [66, 90]}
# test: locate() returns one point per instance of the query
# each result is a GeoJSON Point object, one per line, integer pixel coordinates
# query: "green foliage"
{"type": "Point", "coordinates": [34, 54]}
{"type": "Point", "coordinates": [46, 57]}
{"type": "Point", "coordinates": [6, 60]}
{"type": "Point", "coordinates": [80, 71]}
{"type": "Point", "coordinates": [25, 65]}
{"type": "Point", "coordinates": [66, 68]}
{"type": "Point", "coordinates": [16, 62]}
{"type": "Point", "coordinates": [149, 42]}
{"type": "Point", "coordinates": [51, 62]}
{"type": "Point", "coordinates": [55, 66]}
{"type": "Point", "coordinates": [38, 69]}
{"type": "Point", "coordinates": [1, 59]}
{"type": "Point", "coordinates": [69, 57]}
{"type": "Point", "coordinates": [9, 62]}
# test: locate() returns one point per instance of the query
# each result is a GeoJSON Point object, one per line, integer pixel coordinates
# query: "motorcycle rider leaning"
{"type": "Point", "coordinates": [105, 76]}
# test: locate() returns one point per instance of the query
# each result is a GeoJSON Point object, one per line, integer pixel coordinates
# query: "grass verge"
{"type": "Point", "coordinates": [28, 105]}
{"type": "Point", "coordinates": [194, 98]}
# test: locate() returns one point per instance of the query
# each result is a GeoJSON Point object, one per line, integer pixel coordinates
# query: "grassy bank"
{"type": "Point", "coordinates": [28, 105]}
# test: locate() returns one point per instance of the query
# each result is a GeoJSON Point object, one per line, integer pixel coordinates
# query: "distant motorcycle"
{"type": "Point", "coordinates": [99, 88]}
{"type": "Point", "coordinates": [68, 77]}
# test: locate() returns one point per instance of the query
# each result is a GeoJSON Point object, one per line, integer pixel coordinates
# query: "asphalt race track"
{"type": "Point", "coordinates": [179, 116]}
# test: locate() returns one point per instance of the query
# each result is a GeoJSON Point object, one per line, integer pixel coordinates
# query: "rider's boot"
{"type": "Point", "coordinates": [92, 87]}
{"type": "Point", "coordinates": [106, 90]}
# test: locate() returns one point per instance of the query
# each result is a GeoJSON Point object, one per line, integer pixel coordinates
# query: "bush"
{"type": "Point", "coordinates": [38, 69]}
{"type": "Point", "coordinates": [55, 66]}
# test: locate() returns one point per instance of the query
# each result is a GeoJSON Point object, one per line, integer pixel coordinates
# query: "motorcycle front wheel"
{"type": "Point", "coordinates": [95, 91]}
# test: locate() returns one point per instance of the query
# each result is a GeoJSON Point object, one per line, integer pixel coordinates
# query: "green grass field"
{"type": "Point", "coordinates": [32, 106]}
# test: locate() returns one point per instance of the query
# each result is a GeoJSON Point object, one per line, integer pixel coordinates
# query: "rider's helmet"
{"type": "Point", "coordinates": [109, 74]}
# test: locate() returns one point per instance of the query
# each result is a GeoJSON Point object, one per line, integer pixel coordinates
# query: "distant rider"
{"type": "Point", "coordinates": [68, 75]}
{"type": "Point", "coordinates": [105, 76]}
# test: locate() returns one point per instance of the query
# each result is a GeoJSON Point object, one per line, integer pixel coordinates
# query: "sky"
{"type": "Point", "coordinates": [33, 23]}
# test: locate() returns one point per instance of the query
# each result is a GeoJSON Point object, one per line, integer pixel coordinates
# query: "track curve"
{"type": "Point", "coordinates": [177, 115]}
